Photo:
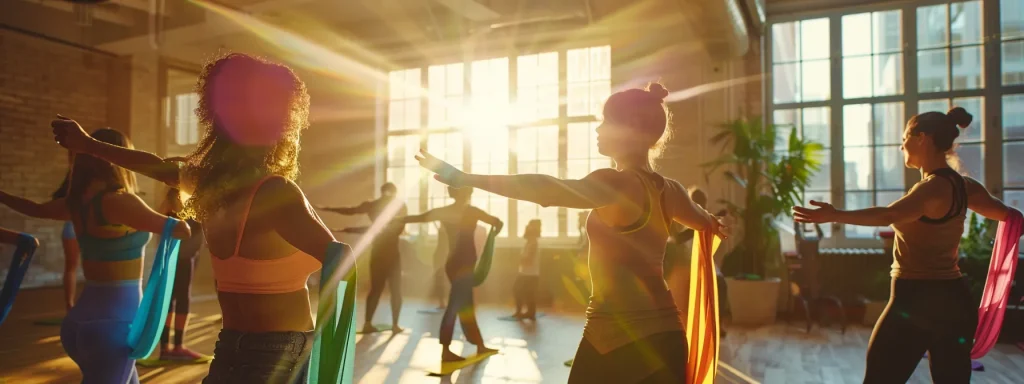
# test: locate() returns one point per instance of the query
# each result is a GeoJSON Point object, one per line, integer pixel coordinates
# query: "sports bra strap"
{"type": "Point", "coordinates": [245, 214]}
{"type": "Point", "coordinates": [96, 205]}
{"type": "Point", "coordinates": [959, 203]}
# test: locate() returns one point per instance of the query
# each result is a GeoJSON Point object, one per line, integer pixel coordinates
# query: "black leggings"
{"type": "Point", "coordinates": [525, 292]}
{"type": "Point", "coordinates": [460, 304]}
{"type": "Point", "coordinates": [664, 352]}
{"type": "Point", "coordinates": [181, 294]}
{"type": "Point", "coordinates": [937, 316]}
{"type": "Point", "coordinates": [385, 268]}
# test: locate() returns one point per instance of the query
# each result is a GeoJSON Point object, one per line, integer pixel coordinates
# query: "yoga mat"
{"type": "Point", "coordinates": [151, 316]}
{"type": "Point", "coordinates": [702, 312]}
{"type": "Point", "coordinates": [433, 311]}
{"type": "Point", "coordinates": [997, 285]}
{"type": "Point", "coordinates": [447, 368]}
{"type": "Point", "coordinates": [56, 321]}
{"type": "Point", "coordinates": [483, 267]}
{"type": "Point", "coordinates": [513, 318]}
{"type": "Point", "coordinates": [149, 363]}
{"type": "Point", "coordinates": [23, 251]}
{"type": "Point", "coordinates": [332, 360]}
{"type": "Point", "coordinates": [378, 328]}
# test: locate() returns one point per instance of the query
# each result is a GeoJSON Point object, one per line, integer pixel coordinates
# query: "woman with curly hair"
{"type": "Point", "coordinates": [264, 237]}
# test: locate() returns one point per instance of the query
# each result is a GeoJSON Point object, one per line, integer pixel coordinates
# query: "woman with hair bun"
{"type": "Point", "coordinates": [930, 308]}
{"type": "Point", "coordinates": [633, 332]}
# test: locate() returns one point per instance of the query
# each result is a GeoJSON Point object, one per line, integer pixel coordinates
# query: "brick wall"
{"type": "Point", "coordinates": [38, 79]}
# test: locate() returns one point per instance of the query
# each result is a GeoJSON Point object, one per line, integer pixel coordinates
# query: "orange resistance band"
{"type": "Point", "coordinates": [702, 312]}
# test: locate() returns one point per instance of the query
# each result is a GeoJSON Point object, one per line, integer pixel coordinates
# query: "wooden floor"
{"type": "Point", "coordinates": [530, 353]}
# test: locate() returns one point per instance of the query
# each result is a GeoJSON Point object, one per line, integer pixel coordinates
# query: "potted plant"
{"type": "Point", "coordinates": [773, 171]}
{"type": "Point", "coordinates": [976, 254]}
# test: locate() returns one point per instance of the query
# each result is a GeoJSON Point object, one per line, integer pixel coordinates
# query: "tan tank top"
{"type": "Point", "coordinates": [928, 249]}
{"type": "Point", "coordinates": [630, 299]}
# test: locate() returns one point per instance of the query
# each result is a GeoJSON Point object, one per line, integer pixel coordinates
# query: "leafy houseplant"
{"type": "Point", "coordinates": [976, 252]}
{"type": "Point", "coordinates": [773, 171]}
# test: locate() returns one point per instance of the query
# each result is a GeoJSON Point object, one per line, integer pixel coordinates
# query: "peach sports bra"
{"type": "Point", "coordinates": [237, 274]}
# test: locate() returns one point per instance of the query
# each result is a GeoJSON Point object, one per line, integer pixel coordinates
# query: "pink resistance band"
{"type": "Point", "coordinates": [997, 285]}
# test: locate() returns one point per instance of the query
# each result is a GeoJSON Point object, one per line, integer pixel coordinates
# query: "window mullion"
{"type": "Point", "coordinates": [562, 134]}
{"type": "Point", "coordinates": [513, 159]}
{"type": "Point", "coordinates": [910, 66]}
{"type": "Point", "coordinates": [422, 132]}
{"type": "Point", "coordinates": [836, 120]}
{"type": "Point", "coordinates": [467, 95]}
{"type": "Point", "coordinates": [992, 148]}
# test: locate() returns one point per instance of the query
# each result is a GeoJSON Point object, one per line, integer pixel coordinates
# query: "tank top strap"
{"type": "Point", "coordinates": [248, 208]}
{"type": "Point", "coordinates": [959, 203]}
{"type": "Point", "coordinates": [650, 200]}
{"type": "Point", "coordinates": [95, 205]}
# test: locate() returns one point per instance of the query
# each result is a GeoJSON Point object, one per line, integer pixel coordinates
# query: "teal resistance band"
{"type": "Point", "coordinates": [19, 265]}
{"type": "Point", "coordinates": [332, 360]}
{"type": "Point", "coordinates": [483, 267]}
{"type": "Point", "coordinates": [150, 319]}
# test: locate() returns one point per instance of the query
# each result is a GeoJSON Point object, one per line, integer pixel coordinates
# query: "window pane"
{"type": "Point", "coordinates": [784, 46]}
{"type": "Point", "coordinates": [972, 160]}
{"type": "Point", "coordinates": [581, 142]}
{"type": "Point", "coordinates": [887, 36]}
{"type": "Point", "coordinates": [600, 63]}
{"type": "Point", "coordinates": [888, 123]}
{"type": "Point", "coordinates": [1013, 157]}
{"type": "Point", "coordinates": [932, 69]}
{"type": "Point", "coordinates": [547, 102]}
{"type": "Point", "coordinates": [822, 179]}
{"type": "Point", "coordinates": [940, 105]}
{"type": "Point", "coordinates": [599, 92]}
{"type": "Point", "coordinates": [1011, 18]}
{"type": "Point", "coordinates": [577, 65]}
{"type": "Point", "coordinates": [396, 115]}
{"type": "Point", "coordinates": [577, 99]}
{"type": "Point", "coordinates": [786, 117]}
{"type": "Point", "coordinates": [1014, 199]}
{"type": "Point", "coordinates": [932, 26]}
{"type": "Point", "coordinates": [889, 167]}
{"type": "Point", "coordinates": [1013, 62]}
{"type": "Point", "coordinates": [974, 106]}
{"type": "Point", "coordinates": [857, 77]}
{"type": "Point", "coordinates": [816, 83]}
{"type": "Point", "coordinates": [858, 168]}
{"type": "Point", "coordinates": [967, 68]}
{"type": "Point", "coordinates": [965, 22]}
{"type": "Point", "coordinates": [888, 74]}
{"type": "Point", "coordinates": [1013, 117]}
{"type": "Point", "coordinates": [814, 39]}
{"type": "Point", "coordinates": [815, 127]}
{"type": "Point", "coordinates": [859, 200]}
{"type": "Point", "coordinates": [785, 83]}
{"type": "Point", "coordinates": [856, 34]}
{"type": "Point", "coordinates": [447, 147]}
{"type": "Point", "coordinates": [857, 125]}
{"type": "Point", "coordinates": [411, 113]}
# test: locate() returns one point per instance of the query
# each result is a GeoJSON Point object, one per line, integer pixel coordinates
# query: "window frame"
{"type": "Point", "coordinates": [991, 139]}
{"type": "Point", "coordinates": [562, 121]}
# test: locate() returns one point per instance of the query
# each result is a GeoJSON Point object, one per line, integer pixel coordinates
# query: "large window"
{"type": "Point", "coordinates": [850, 80]}
{"type": "Point", "coordinates": [500, 116]}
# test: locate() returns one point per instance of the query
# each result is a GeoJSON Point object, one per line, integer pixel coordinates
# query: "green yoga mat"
{"type": "Point", "coordinates": [332, 360]}
{"type": "Point", "coordinates": [378, 328]}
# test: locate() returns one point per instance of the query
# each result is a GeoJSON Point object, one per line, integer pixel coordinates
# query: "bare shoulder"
{"type": "Point", "coordinates": [974, 186]}
{"type": "Point", "coordinates": [279, 192]}
{"type": "Point", "coordinates": [608, 176]}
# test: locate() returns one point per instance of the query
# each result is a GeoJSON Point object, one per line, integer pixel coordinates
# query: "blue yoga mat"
{"type": "Point", "coordinates": [332, 360]}
{"type": "Point", "coordinates": [19, 265]}
{"type": "Point", "coordinates": [150, 319]}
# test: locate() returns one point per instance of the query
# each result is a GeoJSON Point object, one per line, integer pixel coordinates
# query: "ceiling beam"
{"type": "Point", "coordinates": [470, 9]}
{"type": "Point", "coordinates": [98, 12]}
{"type": "Point", "coordinates": [140, 5]}
{"type": "Point", "coordinates": [215, 25]}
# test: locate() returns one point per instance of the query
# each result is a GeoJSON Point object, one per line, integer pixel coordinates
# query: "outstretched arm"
{"type": "Point", "coordinates": [54, 209]}
{"type": "Point", "coordinates": [130, 210]}
{"type": "Point", "coordinates": [359, 209]}
{"type": "Point", "coordinates": [910, 207]}
{"type": "Point", "coordinates": [981, 201]}
{"type": "Point", "coordinates": [493, 221]}
{"type": "Point", "coordinates": [425, 217]}
{"type": "Point", "coordinates": [69, 134]}
{"type": "Point", "coordinates": [294, 219]}
{"type": "Point", "coordinates": [353, 230]}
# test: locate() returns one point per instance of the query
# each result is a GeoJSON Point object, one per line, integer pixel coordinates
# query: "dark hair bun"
{"type": "Point", "coordinates": [960, 117]}
{"type": "Point", "coordinates": [657, 90]}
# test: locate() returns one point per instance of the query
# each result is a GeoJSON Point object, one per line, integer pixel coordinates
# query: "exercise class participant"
{"type": "Point", "coordinates": [459, 221]}
{"type": "Point", "coordinates": [113, 226]}
{"type": "Point", "coordinates": [70, 247]}
{"type": "Point", "coordinates": [525, 286]}
{"type": "Point", "coordinates": [385, 258]}
{"type": "Point", "coordinates": [181, 294]}
{"type": "Point", "coordinates": [633, 332]}
{"type": "Point", "coordinates": [264, 238]}
{"type": "Point", "coordinates": [930, 308]}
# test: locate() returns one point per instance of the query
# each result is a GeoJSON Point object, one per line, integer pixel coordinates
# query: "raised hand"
{"type": "Point", "coordinates": [825, 213]}
{"type": "Point", "coordinates": [69, 134]}
{"type": "Point", "coordinates": [444, 172]}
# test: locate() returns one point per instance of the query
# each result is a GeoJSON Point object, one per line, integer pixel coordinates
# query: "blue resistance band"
{"type": "Point", "coordinates": [23, 252]}
{"type": "Point", "coordinates": [150, 319]}
{"type": "Point", "coordinates": [332, 360]}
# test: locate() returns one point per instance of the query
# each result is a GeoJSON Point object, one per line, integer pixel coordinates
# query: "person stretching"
{"type": "Point", "coordinates": [385, 259]}
{"type": "Point", "coordinates": [181, 294]}
{"type": "Point", "coordinates": [930, 307]}
{"type": "Point", "coordinates": [70, 247]}
{"type": "Point", "coordinates": [633, 332]}
{"type": "Point", "coordinates": [459, 221]}
{"type": "Point", "coordinates": [525, 287]}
